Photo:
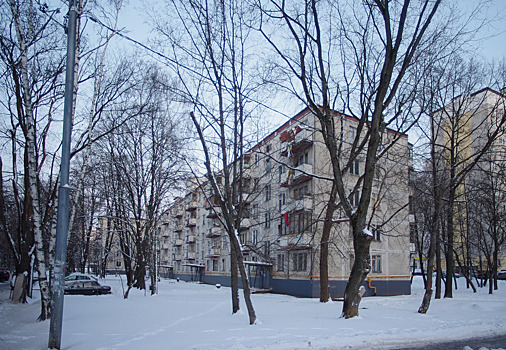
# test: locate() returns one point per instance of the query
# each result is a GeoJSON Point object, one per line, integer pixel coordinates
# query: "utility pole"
{"type": "Point", "coordinates": [62, 224]}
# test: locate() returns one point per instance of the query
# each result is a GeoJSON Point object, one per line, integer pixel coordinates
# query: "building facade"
{"type": "Point", "coordinates": [285, 189]}
{"type": "Point", "coordinates": [468, 123]}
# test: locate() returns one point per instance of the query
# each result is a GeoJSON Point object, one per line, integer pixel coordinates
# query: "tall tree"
{"type": "Point", "coordinates": [211, 48]}
{"type": "Point", "coordinates": [33, 54]}
{"type": "Point", "coordinates": [357, 58]}
{"type": "Point", "coordinates": [464, 121]}
{"type": "Point", "coordinates": [145, 156]}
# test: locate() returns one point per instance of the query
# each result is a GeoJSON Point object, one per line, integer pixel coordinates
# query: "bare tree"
{"type": "Point", "coordinates": [212, 48]}
{"type": "Point", "coordinates": [485, 197]}
{"type": "Point", "coordinates": [357, 58]}
{"type": "Point", "coordinates": [145, 157]}
{"type": "Point", "coordinates": [33, 56]}
{"type": "Point", "coordinates": [464, 122]}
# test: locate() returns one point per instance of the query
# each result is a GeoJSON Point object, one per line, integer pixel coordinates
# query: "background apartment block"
{"type": "Point", "coordinates": [285, 191]}
{"type": "Point", "coordinates": [467, 123]}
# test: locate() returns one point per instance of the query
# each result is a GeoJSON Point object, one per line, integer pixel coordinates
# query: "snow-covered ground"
{"type": "Point", "coordinates": [197, 316]}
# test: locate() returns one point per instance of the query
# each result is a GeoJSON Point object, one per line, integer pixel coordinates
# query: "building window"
{"type": "Point", "coordinates": [376, 263]}
{"type": "Point", "coordinates": [268, 219]}
{"type": "Point", "coordinates": [268, 165]}
{"type": "Point", "coordinates": [280, 265]}
{"type": "Point", "coordinates": [281, 173]}
{"type": "Point", "coordinates": [267, 248]}
{"type": "Point", "coordinates": [299, 222]}
{"type": "Point", "coordinates": [355, 167]}
{"type": "Point", "coordinates": [255, 211]}
{"type": "Point", "coordinates": [300, 192]}
{"type": "Point", "coordinates": [215, 264]}
{"type": "Point", "coordinates": [352, 134]}
{"type": "Point", "coordinates": [254, 237]}
{"type": "Point", "coordinates": [299, 260]}
{"type": "Point", "coordinates": [355, 199]}
{"type": "Point", "coordinates": [282, 200]}
{"type": "Point", "coordinates": [376, 234]}
{"type": "Point", "coordinates": [267, 192]}
{"type": "Point", "coordinates": [223, 265]}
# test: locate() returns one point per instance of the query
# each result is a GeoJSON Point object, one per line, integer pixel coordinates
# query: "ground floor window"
{"type": "Point", "coordinates": [215, 264]}
{"type": "Point", "coordinates": [299, 260]}
{"type": "Point", "coordinates": [280, 265]}
{"type": "Point", "coordinates": [376, 263]}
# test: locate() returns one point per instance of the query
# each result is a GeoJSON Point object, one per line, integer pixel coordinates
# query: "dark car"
{"type": "Point", "coordinates": [501, 275]}
{"type": "Point", "coordinates": [4, 275]}
{"type": "Point", "coordinates": [87, 288]}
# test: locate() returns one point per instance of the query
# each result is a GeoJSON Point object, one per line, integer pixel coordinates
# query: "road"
{"type": "Point", "coordinates": [495, 342]}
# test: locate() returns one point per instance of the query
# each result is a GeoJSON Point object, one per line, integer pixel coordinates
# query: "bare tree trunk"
{"type": "Point", "coordinates": [244, 277]}
{"type": "Point", "coordinates": [324, 246]}
{"type": "Point", "coordinates": [361, 268]}
{"type": "Point", "coordinates": [32, 169]}
{"type": "Point", "coordinates": [234, 280]}
{"type": "Point", "coordinates": [434, 229]}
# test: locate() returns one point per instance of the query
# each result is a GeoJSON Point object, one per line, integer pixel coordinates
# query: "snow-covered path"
{"type": "Point", "coordinates": [196, 316]}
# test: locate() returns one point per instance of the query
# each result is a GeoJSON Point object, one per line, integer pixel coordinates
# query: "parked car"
{"type": "Point", "coordinates": [501, 275]}
{"type": "Point", "coordinates": [76, 276]}
{"type": "Point", "coordinates": [4, 275]}
{"type": "Point", "coordinates": [86, 288]}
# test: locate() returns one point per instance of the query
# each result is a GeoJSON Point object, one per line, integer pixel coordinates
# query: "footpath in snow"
{"type": "Point", "coordinates": [197, 316]}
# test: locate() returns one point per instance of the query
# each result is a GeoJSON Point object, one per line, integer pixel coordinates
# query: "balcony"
{"type": "Point", "coordinates": [214, 252]}
{"type": "Point", "coordinates": [214, 232]}
{"type": "Point", "coordinates": [302, 140]}
{"type": "Point", "coordinates": [191, 206]}
{"type": "Point", "coordinates": [192, 222]}
{"type": "Point", "coordinates": [178, 242]}
{"type": "Point", "coordinates": [190, 239]}
{"type": "Point", "coordinates": [213, 213]}
{"type": "Point", "coordinates": [190, 256]}
{"type": "Point", "coordinates": [300, 175]}
{"type": "Point", "coordinates": [296, 241]}
{"type": "Point", "coordinates": [178, 213]}
{"type": "Point", "coordinates": [304, 203]}
{"type": "Point", "coordinates": [246, 199]}
{"type": "Point", "coordinates": [177, 257]}
{"type": "Point", "coordinates": [245, 224]}
{"type": "Point", "coordinates": [178, 228]}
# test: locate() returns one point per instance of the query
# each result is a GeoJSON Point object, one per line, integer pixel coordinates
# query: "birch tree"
{"type": "Point", "coordinates": [33, 54]}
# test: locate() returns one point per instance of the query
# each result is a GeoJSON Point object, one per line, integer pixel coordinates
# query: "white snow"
{"type": "Point", "coordinates": [366, 232]}
{"type": "Point", "coordinates": [198, 316]}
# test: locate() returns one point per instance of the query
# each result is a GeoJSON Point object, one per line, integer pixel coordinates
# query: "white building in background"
{"type": "Point", "coordinates": [286, 192]}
